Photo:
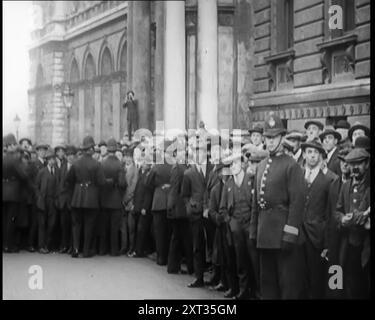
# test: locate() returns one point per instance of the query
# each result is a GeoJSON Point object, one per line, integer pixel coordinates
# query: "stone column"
{"type": "Point", "coordinates": [98, 113]}
{"type": "Point", "coordinates": [129, 46]}
{"type": "Point", "coordinates": [81, 113]}
{"type": "Point", "coordinates": [116, 103]}
{"type": "Point", "coordinates": [174, 66]}
{"type": "Point", "coordinates": [141, 56]}
{"type": "Point", "coordinates": [207, 93]}
{"type": "Point", "coordinates": [159, 61]}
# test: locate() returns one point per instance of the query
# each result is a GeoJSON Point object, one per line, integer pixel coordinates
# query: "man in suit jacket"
{"type": "Point", "coordinates": [235, 206]}
{"type": "Point", "coordinates": [46, 186]}
{"type": "Point", "coordinates": [181, 239]}
{"type": "Point", "coordinates": [276, 219]}
{"type": "Point", "coordinates": [14, 176]}
{"type": "Point", "coordinates": [194, 192]}
{"type": "Point", "coordinates": [64, 197]}
{"type": "Point", "coordinates": [350, 214]}
{"type": "Point", "coordinates": [128, 230]}
{"type": "Point", "coordinates": [143, 194]}
{"type": "Point", "coordinates": [330, 139]}
{"type": "Point", "coordinates": [159, 180]}
{"type": "Point", "coordinates": [85, 177]}
{"type": "Point", "coordinates": [110, 200]}
{"type": "Point", "coordinates": [315, 217]}
{"type": "Point", "coordinates": [41, 150]}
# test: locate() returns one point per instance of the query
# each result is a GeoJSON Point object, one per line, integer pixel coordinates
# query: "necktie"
{"type": "Point", "coordinates": [308, 176]}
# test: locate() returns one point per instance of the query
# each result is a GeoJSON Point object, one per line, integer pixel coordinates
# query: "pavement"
{"type": "Point", "coordinates": [98, 278]}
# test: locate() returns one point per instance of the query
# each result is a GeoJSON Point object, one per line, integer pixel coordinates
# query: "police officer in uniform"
{"type": "Point", "coordinates": [110, 199]}
{"type": "Point", "coordinates": [85, 177]}
{"type": "Point", "coordinates": [277, 217]}
{"type": "Point", "coordinates": [14, 176]}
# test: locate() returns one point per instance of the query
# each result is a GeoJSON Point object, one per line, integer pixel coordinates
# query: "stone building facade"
{"type": "Point", "coordinates": [225, 62]}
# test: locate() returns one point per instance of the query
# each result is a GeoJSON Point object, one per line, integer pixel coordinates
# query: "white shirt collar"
{"type": "Point", "coordinates": [314, 173]}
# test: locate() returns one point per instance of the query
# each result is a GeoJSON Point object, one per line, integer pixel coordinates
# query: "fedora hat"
{"type": "Point", "coordinates": [25, 139]}
{"type": "Point", "coordinates": [316, 144]}
{"type": "Point", "coordinates": [357, 126]}
{"type": "Point", "coordinates": [331, 131]}
{"type": "Point", "coordinates": [315, 122]}
{"type": "Point", "coordinates": [342, 124]}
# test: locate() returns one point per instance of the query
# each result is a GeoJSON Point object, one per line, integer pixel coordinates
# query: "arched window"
{"type": "Point", "coordinates": [89, 67]}
{"type": "Point", "coordinates": [123, 57]}
{"type": "Point", "coordinates": [74, 72]}
{"type": "Point", "coordinates": [106, 66]}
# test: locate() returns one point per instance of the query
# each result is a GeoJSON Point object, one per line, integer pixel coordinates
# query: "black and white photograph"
{"type": "Point", "coordinates": [214, 150]}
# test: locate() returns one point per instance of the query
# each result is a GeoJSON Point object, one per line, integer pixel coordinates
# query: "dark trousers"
{"type": "Point", "coordinates": [47, 222]}
{"type": "Point", "coordinates": [112, 218]}
{"type": "Point", "coordinates": [197, 227]}
{"type": "Point", "coordinates": [33, 225]}
{"type": "Point", "coordinates": [315, 271]}
{"type": "Point", "coordinates": [229, 258]}
{"type": "Point", "coordinates": [245, 253]}
{"type": "Point", "coordinates": [133, 218]}
{"type": "Point", "coordinates": [83, 219]}
{"type": "Point", "coordinates": [65, 215]}
{"type": "Point", "coordinates": [102, 230]}
{"type": "Point", "coordinates": [209, 228]}
{"type": "Point", "coordinates": [124, 230]}
{"type": "Point", "coordinates": [10, 211]}
{"type": "Point", "coordinates": [144, 238]}
{"type": "Point", "coordinates": [356, 280]}
{"type": "Point", "coordinates": [181, 242]}
{"type": "Point", "coordinates": [282, 274]}
{"type": "Point", "coordinates": [162, 236]}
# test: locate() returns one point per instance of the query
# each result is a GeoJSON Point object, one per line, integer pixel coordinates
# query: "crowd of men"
{"type": "Point", "coordinates": [267, 222]}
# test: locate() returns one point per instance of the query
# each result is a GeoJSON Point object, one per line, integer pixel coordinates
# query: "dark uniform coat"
{"type": "Point", "coordinates": [334, 163]}
{"type": "Point", "coordinates": [277, 203]}
{"type": "Point", "coordinates": [112, 191]}
{"type": "Point", "coordinates": [86, 176]}
{"type": "Point", "coordinates": [159, 179]}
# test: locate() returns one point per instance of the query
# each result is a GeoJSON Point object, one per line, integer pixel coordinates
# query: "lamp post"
{"type": "Point", "coordinates": [17, 121]}
{"type": "Point", "coordinates": [68, 96]}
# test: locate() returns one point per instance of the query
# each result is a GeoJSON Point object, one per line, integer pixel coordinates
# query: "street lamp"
{"type": "Point", "coordinates": [17, 121]}
{"type": "Point", "coordinates": [68, 96]}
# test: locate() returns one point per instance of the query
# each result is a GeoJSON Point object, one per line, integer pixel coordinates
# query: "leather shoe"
{"type": "Point", "coordinates": [31, 249]}
{"type": "Point", "coordinates": [242, 296]}
{"type": "Point", "coordinates": [75, 253]}
{"type": "Point", "coordinates": [229, 294]}
{"type": "Point", "coordinates": [196, 284]}
{"type": "Point", "coordinates": [43, 251]}
{"type": "Point", "coordinates": [63, 250]}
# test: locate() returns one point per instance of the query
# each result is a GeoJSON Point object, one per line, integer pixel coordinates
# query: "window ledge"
{"type": "Point", "coordinates": [280, 56]}
{"type": "Point", "coordinates": [341, 41]}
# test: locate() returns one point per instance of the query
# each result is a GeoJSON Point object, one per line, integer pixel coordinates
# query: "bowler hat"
{"type": "Point", "coordinates": [9, 139]}
{"type": "Point", "coordinates": [362, 142]}
{"type": "Point", "coordinates": [316, 144]}
{"type": "Point", "coordinates": [71, 150]}
{"type": "Point", "coordinates": [273, 126]}
{"type": "Point", "coordinates": [357, 126]}
{"type": "Point", "coordinates": [256, 128]}
{"type": "Point", "coordinates": [287, 145]}
{"type": "Point", "coordinates": [60, 146]}
{"type": "Point", "coordinates": [25, 139]}
{"type": "Point", "coordinates": [357, 155]}
{"type": "Point", "coordinates": [112, 145]}
{"type": "Point", "coordinates": [41, 146]}
{"type": "Point", "coordinates": [315, 122]}
{"type": "Point", "coordinates": [294, 134]}
{"type": "Point", "coordinates": [88, 142]}
{"type": "Point", "coordinates": [102, 143]}
{"type": "Point", "coordinates": [331, 131]}
{"type": "Point", "coordinates": [342, 124]}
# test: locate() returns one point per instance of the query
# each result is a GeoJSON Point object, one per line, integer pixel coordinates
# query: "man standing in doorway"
{"type": "Point", "coordinates": [132, 117]}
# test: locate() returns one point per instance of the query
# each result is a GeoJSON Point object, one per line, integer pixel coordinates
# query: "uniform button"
{"type": "Point", "coordinates": [354, 200]}
{"type": "Point", "coordinates": [269, 160]}
{"type": "Point", "coordinates": [267, 165]}
{"type": "Point", "coordinates": [355, 190]}
{"type": "Point", "coordinates": [265, 172]}
{"type": "Point", "coordinates": [262, 185]}
{"type": "Point", "coordinates": [261, 192]}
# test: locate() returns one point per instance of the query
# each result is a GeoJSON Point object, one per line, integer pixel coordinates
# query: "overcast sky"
{"type": "Point", "coordinates": [17, 26]}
